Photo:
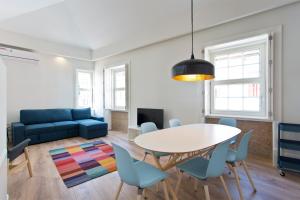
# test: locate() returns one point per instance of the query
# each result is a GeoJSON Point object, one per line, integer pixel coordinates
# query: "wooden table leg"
{"type": "Point", "coordinates": [165, 190]}
{"type": "Point", "coordinates": [171, 190]}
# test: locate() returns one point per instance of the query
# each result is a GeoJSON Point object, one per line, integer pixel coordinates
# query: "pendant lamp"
{"type": "Point", "coordinates": [193, 69]}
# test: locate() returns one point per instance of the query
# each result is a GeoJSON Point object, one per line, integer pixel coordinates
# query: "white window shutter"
{"type": "Point", "coordinates": [107, 88]}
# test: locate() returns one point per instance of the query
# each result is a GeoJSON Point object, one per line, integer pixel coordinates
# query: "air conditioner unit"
{"type": "Point", "coordinates": [19, 53]}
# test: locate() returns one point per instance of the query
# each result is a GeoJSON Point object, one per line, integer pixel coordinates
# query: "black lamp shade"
{"type": "Point", "coordinates": [193, 70]}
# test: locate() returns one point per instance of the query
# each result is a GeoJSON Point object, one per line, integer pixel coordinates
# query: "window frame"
{"type": "Point", "coordinates": [78, 89]}
{"type": "Point", "coordinates": [115, 89]}
{"type": "Point", "coordinates": [112, 70]}
{"type": "Point", "coordinates": [262, 42]}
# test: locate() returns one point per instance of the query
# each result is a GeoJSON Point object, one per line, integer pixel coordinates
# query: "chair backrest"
{"type": "Point", "coordinates": [242, 150]}
{"type": "Point", "coordinates": [227, 121]}
{"type": "Point", "coordinates": [174, 122]}
{"type": "Point", "coordinates": [125, 166]}
{"type": "Point", "coordinates": [17, 150]}
{"type": "Point", "coordinates": [148, 127]}
{"type": "Point", "coordinates": [217, 160]}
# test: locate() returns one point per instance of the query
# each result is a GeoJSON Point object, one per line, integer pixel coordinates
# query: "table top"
{"type": "Point", "coordinates": [186, 138]}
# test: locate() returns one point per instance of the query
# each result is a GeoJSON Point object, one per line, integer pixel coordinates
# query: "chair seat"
{"type": "Point", "coordinates": [148, 174]}
{"type": "Point", "coordinates": [157, 154]}
{"type": "Point", "coordinates": [231, 156]}
{"type": "Point", "coordinates": [196, 167]}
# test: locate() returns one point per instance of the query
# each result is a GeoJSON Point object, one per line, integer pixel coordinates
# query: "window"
{"type": "Point", "coordinates": [242, 79]}
{"type": "Point", "coordinates": [115, 88]}
{"type": "Point", "coordinates": [84, 82]}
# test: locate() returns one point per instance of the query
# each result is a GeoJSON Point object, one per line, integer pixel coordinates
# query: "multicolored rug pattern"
{"type": "Point", "coordinates": [80, 163]}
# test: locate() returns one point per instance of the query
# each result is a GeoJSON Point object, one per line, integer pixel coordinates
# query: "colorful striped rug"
{"type": "Point", "coordinates": [80, 163]}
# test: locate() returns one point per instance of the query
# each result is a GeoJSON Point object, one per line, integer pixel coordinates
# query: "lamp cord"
{"type": "Point", "coordinates": [192, 23]}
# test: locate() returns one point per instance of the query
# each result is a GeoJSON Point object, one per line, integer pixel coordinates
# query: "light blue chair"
{"type": "Point", "coordinates": [146, 128]}
{"type": "Point", "coordinates": [137, 173]}
{"type": "Point", "coordinates": [174, 123]}
{"type": "Point", "coordinates": [229, 122]}
{"type": "Point", "coordinates": [202, 168]}
{"type": "Point", "coordinates": [240, 155]}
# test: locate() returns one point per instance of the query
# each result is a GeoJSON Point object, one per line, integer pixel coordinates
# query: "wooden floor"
{"type": "Point", "coordinates": [46, 183]}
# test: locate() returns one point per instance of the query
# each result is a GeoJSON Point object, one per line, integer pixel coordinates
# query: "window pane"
{"type": "Point", "coordinates": [221, 62]}
{"type": "Point", "coordinates": [221, 91]}
{"type": "Point", "coordinates": [237, 65]}
{"type": "Point", "coordinates": [120, 79]}
{"type": "Point", "coordinates": [221, 103]}
{"type": "Point", "coordinates": [251, 71]}
{"type": "Point", "coordinates": [237, 97]}
{"type": "Point", "coordinates": [221, 73]}
{"type": "Point", "coordinates": [235, 61]}
{"type": "Point", "coordinates": [85, 99]}
{"type": "Point", "coordinates": [252, 90]}
{"type": "Point", "coordinates": [235, 72]}
{"type": "Point", "coordinates": [251, 104]}
{"type": "Point", "coordinates": [235, 104]}
{"type": "Point", "coordinates": [251, 59]}
{"type": "Point", "coordinates": [120, 99]}
{"type": "Point", "coordinates": [84, 80]}
{"type": "Point", "coordinates": [235, 90]}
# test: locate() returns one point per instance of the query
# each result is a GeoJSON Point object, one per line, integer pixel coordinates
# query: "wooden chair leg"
{"type": "Point", "coordinates": [174, 195]}
{"type": "Point", "coordinates": [144, 194]}
{"type": "Point", "coordinates": [195, 184]}
{"type": "Point", "coordinates": [178, 182]}
{"type": "Point", "coordinates": [236, 176]}
{"type": "Point", "coordinates": [248, 175]}
{"type": "Point", "coordinates": [119, 190]}
{"type": "Point", "coordinates": [225, 187]}
{"type": "Point", "coordinates": [140, 194]}
{"type": "Point", "coordinates": [207, 197]}
{"type": "Point", "coordinates": [165, 190]}
{"type": "Point", "coordinates": [145, 156]}
{"type": "Point", "coordinates": [157, 187]}
{"type": "Point", "coordinates": [28, 161]}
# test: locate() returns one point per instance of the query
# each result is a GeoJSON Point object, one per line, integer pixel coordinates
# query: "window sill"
{"type": "Point", "coordinates": [116, 110]}
{"type": "Point", "coordinates": [246, 118]}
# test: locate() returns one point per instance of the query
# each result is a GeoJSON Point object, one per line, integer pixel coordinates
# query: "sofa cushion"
{"type": "Point", "coordinates": [91, 123]}
{"type": "Point", "coordinates": [65, 125]}
{"type": "Point", "coordinates": [45, 116]}
{"type": "Point", "coordinates": [39, 128]}
{"type": "Point", "coordinates": [84, 113]}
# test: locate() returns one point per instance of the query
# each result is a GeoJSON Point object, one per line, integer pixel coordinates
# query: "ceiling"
{"type": "Point", "coordinates": [100, 24]}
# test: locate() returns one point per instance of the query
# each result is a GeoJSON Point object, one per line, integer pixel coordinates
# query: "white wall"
{"type": "Point", "coordinates": [50, 83]}
{"type": "Point", "coordinates": [151, 85]}
{"type": "Point", "coordinates": [3, 162]}
{"type": "Point", "coordinates": [20, 40]}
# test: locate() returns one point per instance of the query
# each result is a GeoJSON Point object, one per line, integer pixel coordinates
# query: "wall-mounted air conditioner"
{"type": "Point", "coordinates": [18, 53]}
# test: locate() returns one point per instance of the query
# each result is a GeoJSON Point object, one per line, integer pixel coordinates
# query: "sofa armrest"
{"type": "Point", "coordinates": [17, 130]}
{"type": "Point", "coordinates": [98, 118]}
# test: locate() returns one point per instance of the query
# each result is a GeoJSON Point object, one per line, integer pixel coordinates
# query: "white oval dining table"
{"type": "Point", "coordinates": [185, 141]}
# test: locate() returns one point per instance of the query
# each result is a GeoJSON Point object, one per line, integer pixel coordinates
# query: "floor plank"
{"type": "Point", "coordinates": [46, 183]}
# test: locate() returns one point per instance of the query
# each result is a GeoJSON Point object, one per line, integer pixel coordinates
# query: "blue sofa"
{"type": "Point", "coordinates": [55, 124]}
